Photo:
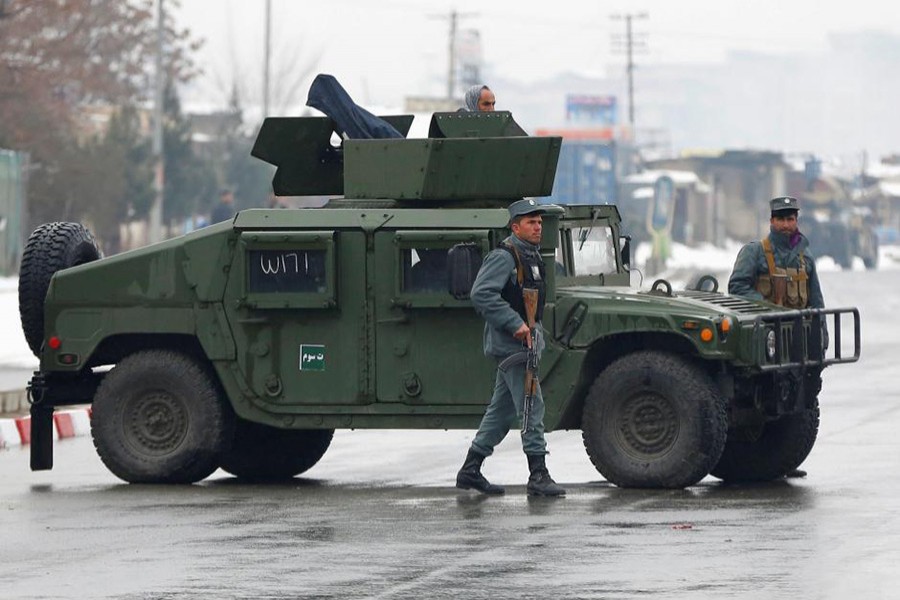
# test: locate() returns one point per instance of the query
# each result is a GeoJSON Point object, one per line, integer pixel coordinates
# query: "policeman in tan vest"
{"type": "Point", "coordinates": [778, 268]}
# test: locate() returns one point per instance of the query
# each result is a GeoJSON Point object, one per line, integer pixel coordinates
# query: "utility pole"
{"type": "Point", "coordinates": [454, 17]}
{"type": "Point", "coordinates": [156, 210]}
{"type": "Point", "coordinates": [451, 71]}
{"type": "Point", "coordinates": [630, 44]}
{"type": "Point", "coordinates": [268, 52]}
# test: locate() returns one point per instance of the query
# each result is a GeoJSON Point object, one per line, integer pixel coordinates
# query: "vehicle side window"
{"type": "Point", "coordinates": [565, 242]}
{"type": "Point", "coordinates": [288, 270]}
{"type": "Point", "coordinates": [424, 269]}
{"type": "Point", "coordinates": [280, 271]}
{"type": "Point", "coordinates": [422, 265]}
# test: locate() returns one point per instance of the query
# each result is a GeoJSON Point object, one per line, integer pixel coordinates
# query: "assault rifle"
{"type": "Point", "coordinates": [530, 296]}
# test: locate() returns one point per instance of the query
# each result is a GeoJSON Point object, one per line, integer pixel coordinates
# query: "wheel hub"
{"type": "Point", "coordinates": [647, 425]}
{"type": "Point", "coordinates": [156, 423]}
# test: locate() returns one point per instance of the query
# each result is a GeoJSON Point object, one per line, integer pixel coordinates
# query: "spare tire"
{"type": "Point", "coordinates": [50, 248]}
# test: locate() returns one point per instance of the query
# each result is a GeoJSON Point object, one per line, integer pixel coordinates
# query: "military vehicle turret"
{"type": "Point", "coordinates": [244, 345]}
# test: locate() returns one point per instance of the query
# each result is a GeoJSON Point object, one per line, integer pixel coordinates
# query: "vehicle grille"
{"type": "Point", "coordinates": [730, 302]}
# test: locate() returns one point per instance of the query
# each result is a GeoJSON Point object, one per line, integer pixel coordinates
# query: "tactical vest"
{"type": "Point", "coordinates": [529, 274]}
{"type": "Point", "coordinates": [783, 286]}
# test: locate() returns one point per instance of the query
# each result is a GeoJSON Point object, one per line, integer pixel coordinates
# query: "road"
{"type": "Point", "coordinates": [378, 516]}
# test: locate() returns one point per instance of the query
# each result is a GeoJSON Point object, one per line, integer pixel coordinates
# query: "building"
{"type": "Point", "coordinates": [741, 183]}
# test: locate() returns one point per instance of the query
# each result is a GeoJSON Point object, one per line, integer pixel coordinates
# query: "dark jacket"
{"type": "Point", "coordinates": [501, 320]}
{"type": "Point", "coordinates": [222, 212]}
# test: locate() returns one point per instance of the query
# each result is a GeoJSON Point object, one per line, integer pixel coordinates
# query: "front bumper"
{"type": "Point", "coordinates": [821, 343]}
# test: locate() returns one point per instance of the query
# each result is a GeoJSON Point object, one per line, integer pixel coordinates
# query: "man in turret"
{"type": "Point", "coordinates": [480, 98]}
{"type": "Point", "coordinates": [497, 295]}
{"type": "Point", "coordinates": [779, 268]}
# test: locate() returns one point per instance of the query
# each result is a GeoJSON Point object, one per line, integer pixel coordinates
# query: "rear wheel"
{"type": "Point", "coordinates": [870, 253]}
{"type": "Point", "coordinates": [263, 453]}
{"type": "Point", "coordinates": [50, 248]}
{"type": "Point", "coordinates": [654, 420]}
{"type": "Point", "coordinates": [770, 450]}
{"type": "Point", "coordinates": [158, 417]}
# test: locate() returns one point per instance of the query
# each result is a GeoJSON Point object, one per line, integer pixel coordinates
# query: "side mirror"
{"type": "Point", "coordinates": [625, 247]}
{"type": "Point", "coordinates": [463, 262]}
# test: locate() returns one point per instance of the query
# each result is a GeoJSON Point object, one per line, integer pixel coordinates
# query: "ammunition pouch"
{"type": "Point", "coordinates": [786, 287]}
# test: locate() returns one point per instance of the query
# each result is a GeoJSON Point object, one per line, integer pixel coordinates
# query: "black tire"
{"type": "Point", "coordinates": [158, 417]}
{"type": "Point", "coordinates": [871, 259]}
{"type": "Point", "coordinates": [772, 451]}
{"type": "Point", "coordinates": [870, 263]}
{"type": "Point", "coordinates": [50, 248]}
{"type": "Point", "coordinates": [263, 453]}
{"type": "Point", "coordinates": [654, 420]}
{"type": "Point", "coordinates": [842, 251]}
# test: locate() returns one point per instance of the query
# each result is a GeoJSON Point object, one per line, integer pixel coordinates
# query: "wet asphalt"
{"type": "Point", "coordinates": [378, 516]}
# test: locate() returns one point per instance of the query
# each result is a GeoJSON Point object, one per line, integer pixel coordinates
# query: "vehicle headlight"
{"type": "Point", "coordinates": [770, 344]}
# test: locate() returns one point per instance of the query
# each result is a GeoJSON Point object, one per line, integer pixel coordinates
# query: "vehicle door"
{"type": "Point", "coordinates": [428, 343]}
{"type": "Point", "coordinates": [296, 302]}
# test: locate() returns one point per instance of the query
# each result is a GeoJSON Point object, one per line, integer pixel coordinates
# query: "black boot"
{"type": "Point", "coordinates": [540, 483]}
{"type": "Point", "coordinates": [470, 477]}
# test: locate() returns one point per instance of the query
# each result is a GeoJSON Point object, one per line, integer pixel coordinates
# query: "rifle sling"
{"type": "Point", "coordinates": [770, 260]}
{"type": "Point", "coordinates": [520, 271]}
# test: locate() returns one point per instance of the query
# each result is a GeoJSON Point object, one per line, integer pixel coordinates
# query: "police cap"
{"type": "Point", "coordinates": [528, 206]}
{"type": "Point", "coordinates": [784, 203]}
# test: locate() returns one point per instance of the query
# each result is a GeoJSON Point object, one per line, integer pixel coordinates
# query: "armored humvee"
{"type": "Point", "coordinates": [244, 345]}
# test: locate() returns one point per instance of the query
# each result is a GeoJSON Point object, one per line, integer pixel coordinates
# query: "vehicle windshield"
{"type": "Point", "coordinates": [593, 250]}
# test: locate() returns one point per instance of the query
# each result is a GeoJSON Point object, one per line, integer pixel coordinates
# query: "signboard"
{"type": "Point", "coordinates": [585, 173]}
{"type": "Point", "coordinates": [312, 357]}
{"type": "Point", "coordinates": [596, 110]}
{"type": "Point", "coordinates": [663, 205]}
{"type": "Point", "coordinates": [12, 209]}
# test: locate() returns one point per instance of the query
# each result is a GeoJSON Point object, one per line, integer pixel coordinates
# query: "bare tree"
{"type": "Point", "coordinates": [57, 59]}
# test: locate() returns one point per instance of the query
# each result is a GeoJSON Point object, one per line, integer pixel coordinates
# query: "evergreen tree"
{"type": "Point", "coordinates": [59, 58]}
{"type": "Point", "coordinates": [189, 180]}
{"type": "Point", "coordinates": [124, 135]}
{"type": "Point", "coordinates": [249, 177]}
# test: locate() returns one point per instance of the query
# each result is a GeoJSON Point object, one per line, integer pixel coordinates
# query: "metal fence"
{"type": "Point", "coordinates": [13, 168]}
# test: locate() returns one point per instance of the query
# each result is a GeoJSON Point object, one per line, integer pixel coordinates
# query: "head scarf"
{"type": "Point", "coordinates": [472, 96]}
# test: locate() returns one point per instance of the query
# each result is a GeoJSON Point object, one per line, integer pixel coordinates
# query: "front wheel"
{"type": "Point", "coordinates": [263, 453]}
{"type": "Point", "coordinates": [770, 450]}
{"type": "Point", "coordinates": [654, 420]}
{"type": "Point", "coordinates": [158, 417]}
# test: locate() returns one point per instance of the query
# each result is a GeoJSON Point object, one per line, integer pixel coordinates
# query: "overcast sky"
{"type": "Point", "coordinates": [383, 50]}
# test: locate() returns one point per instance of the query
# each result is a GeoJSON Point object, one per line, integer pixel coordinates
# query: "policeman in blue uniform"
{"type": "Point", "coordinates": [497, 297]}
{"type": "Point", "coordinates": [779, 268]}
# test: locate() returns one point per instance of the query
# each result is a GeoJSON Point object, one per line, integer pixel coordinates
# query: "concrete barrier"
{"type": "Point", "coordinates": [13, 402]}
